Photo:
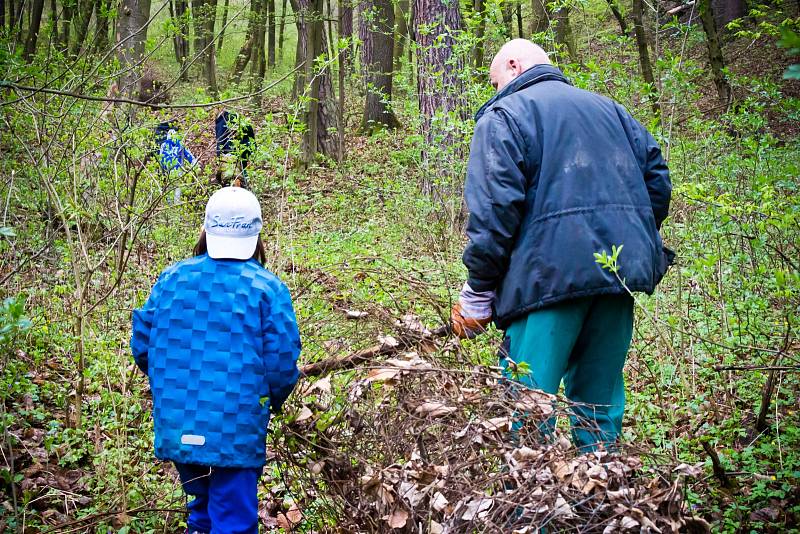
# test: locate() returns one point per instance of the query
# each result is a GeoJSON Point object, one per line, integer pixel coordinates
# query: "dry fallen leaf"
{"type": "Point", "coordinates": [409, 492]}
{"type": "Point", "coordinates": [475, 507]}
{"type": "Point", "coordinates": [439, 502]}
{"type": "Point", "coordinates": [323, 384]}
{"type": "Point", "coordinates": [381, 375]}
{"type": "Point", "coordinates": [435, 528]}
{"type": "Point", "coordinates": [294, 515]}
{"type": "Point", "coordinates": [434, 409]}
{"type": "Point", "coordinates": [388, 341]}
{"type": "Point", "coordinates": [497, 424]}
{"type": "Point", "coordinates": [305, 414]}
{"type": "Point", "coordinates": [397, 519]}
{"type": "Point", "coordinates": [355, 314]}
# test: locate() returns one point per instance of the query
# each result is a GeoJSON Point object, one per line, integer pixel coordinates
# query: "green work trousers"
{"type": "Point", "coordinates": [584, 342]}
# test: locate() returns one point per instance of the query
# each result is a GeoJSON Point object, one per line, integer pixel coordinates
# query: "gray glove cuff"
{"type": "Point", "coordinates": [476, 304]}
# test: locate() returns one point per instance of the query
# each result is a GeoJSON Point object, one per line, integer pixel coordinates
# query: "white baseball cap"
{"type": "Point", "coordinates": [232, 224]}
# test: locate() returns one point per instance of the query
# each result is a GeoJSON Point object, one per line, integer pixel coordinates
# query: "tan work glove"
{"type": "Point", "coordinates": [473, 312]}
{"type": "Point", "coordinates": [467, 327]}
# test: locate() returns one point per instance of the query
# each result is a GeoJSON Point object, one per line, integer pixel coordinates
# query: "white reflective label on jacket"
{"type": "Point", "coordinates": [191, 439]}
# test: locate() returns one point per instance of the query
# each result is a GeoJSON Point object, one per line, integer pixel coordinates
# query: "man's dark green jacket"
{"type": "Point", "coordinates": [556, 174]}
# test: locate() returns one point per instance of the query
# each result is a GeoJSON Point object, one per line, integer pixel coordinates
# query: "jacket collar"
{"type": "Point", "coordinates": [535, 74]}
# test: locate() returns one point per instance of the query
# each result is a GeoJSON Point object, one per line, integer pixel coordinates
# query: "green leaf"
{"type": "Point", "coordinates": [7, 231]}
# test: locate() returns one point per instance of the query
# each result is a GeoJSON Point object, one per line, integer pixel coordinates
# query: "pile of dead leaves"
{"type": "Point", "coordinates": [410, 446]}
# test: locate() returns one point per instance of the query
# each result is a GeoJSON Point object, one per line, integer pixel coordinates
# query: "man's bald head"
{"type": "Point", "coordinates": [514, 58]}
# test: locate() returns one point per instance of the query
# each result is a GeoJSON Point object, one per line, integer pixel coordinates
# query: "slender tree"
{"type": "Point", "coordinates": [102, 14]}
{"type": "Point", "coordinates": [33, 30]}
{"type": "Point", "coordinates": [320, 113]}
{"type": "Point", "coordinates": [83, 15]}
{"type": "Point", "coordinates": [623, 27]}
{"type": "Point", "coordinates": [715, 58]}
{"type": "Point", "coordinates": [221, 39]}
{"type": "Point", "coordinates": [271, 33]}
{"type": "Point", "coordinates": [243, 57]}
{"type": "Point", "coordinates": [180, 42]}
{"type": "Point", "coordinates": [257, 54]}
{"type": "Point", "coordinates": [479, 7]}
{"type": "Point", "coordinates": [281, 28]}
{"type": "Point", "coordinates": [210, 55]}
{"type": "Point", "coordinates": [346, 32]}
{"type": "Point", "coordinates": [377, 58]}
{"type": "Point", "coordinates": [641, 43]}
{"type": "Point", "coordinates": [66, 21]}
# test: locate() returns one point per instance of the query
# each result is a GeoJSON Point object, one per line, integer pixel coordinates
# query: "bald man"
{"type": "Point", "coordinates": [555, 175]}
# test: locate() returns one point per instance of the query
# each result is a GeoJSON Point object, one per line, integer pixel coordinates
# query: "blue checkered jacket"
{"type": "Point", "coordinates": [218, 340]}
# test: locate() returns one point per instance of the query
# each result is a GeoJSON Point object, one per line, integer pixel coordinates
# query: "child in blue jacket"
{"type": "Point", "coordinates": [219, 343]}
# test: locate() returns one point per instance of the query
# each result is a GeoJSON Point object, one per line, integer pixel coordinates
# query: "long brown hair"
{"type": "Point", "coordinates": [260, 253]}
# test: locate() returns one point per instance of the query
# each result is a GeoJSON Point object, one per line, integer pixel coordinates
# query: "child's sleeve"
{"type": "Point", "coordinates": [281, 348]}
{"type": "Point", "coordinates": [142, 323]}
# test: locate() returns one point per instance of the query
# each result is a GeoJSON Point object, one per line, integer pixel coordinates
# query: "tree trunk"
{"type": "Point", "coordinates": [132, 22]}
{"type": "Point", "coordinates": [280, 30]}
{"type": "Point", "coordinates": [564, 32]}
{"type": "Point", "coordinates": [479, 6]}
{"type": "Point", "coordinates": [715, 57]}
{"type": "Point", "coordinates": [180, 41]}
{"type": "Point", "coordinates": [243, 57]}
{"type": "Point", "coordinates": [728, 10]}
{"type": "Point", "coordinates": [329, 17]}
{"type": "Point", "coordinates": [377, 57]}
{"type": "Point", "coordinates": [210, 60]}
{"type": "Point", "coordinates": [439, 88]}
{"type": "Point", "coordinates": [221, 40]}
{"type": "Point", "coordinates": [346, 32]}
{"type": "Point", "coordinates": [320, 116]}
{"type": "Point", "coordinates": [81, 22]}
{"type": "Point", "coordinates": [519, 20]}
{"type": "Point", "coordinates": [637, 13]}
{"type": "Point", "coordinates": [271, 33]}
{"type": "Point", "coordinates": [197, 23]}
{"type": "Point", "coordinates": [102, 16]}
{"type": "Point", "coordinates": [342, 75]}
{"type": "Point", "coordinates": [3, 18]}
{"type": "Point", "coordinates": [257, 53]}
{"type": "Point", "coordinates": [507, 12]}
{"type": "Point", "coordinates": [623, 28]}
{"type": "Point", "coordinates": [540, 18]}
{"type": "Point", "coordinates": [33, 30]}
{"type": "Point", "coordinates": [66, 22]}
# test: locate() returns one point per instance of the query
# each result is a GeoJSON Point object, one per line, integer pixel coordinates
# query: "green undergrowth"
{"type": "Point", "coordinates": [361, 237]}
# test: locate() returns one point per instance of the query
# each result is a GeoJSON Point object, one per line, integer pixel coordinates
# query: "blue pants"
{"type": "Point", "coordinates": [225, 499]}
{"type": "Point", "coordinates": [584, 342]}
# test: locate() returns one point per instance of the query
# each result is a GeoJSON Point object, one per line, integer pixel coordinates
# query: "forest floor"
{"type": "Point", "coordinates": [373, 264]}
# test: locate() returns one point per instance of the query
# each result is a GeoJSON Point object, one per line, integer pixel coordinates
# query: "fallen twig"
{"type": "Point", "coordinates": [384, 349]}
{"type": "Point", "coordinates": [720, 368]}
